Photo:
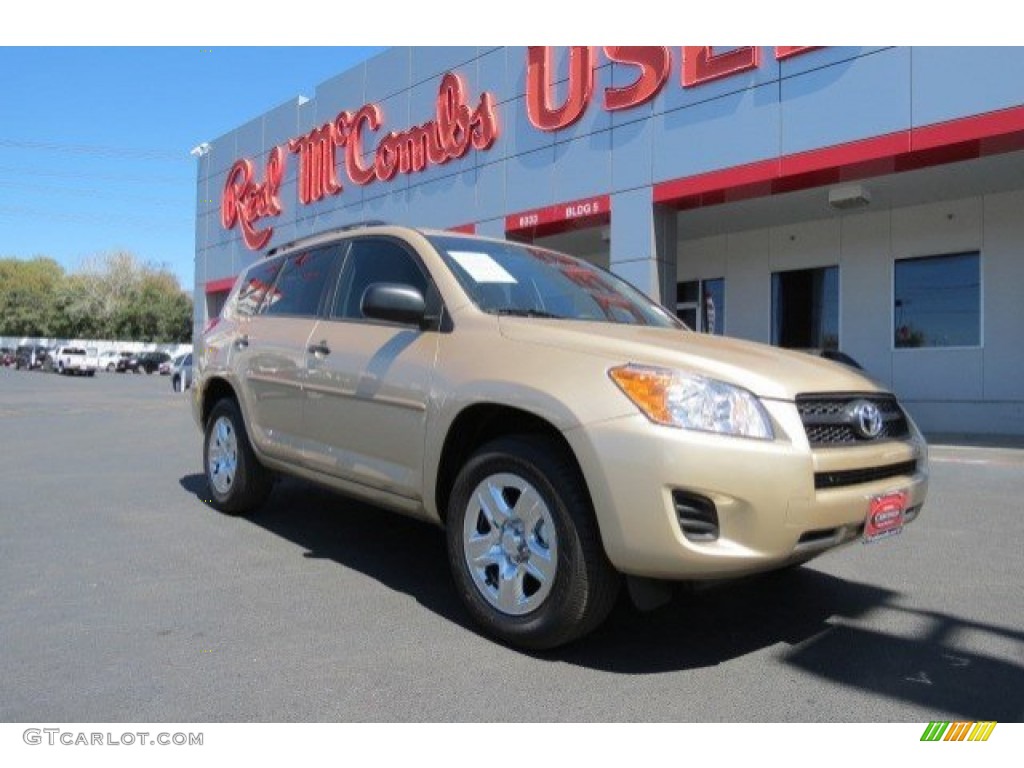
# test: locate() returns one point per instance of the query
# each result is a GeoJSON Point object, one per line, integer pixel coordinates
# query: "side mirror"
{"type": "Point", "coordinates": [395, 303]}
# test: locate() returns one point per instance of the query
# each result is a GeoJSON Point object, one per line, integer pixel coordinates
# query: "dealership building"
{"type": "Point", "coordinates": [868, 200]}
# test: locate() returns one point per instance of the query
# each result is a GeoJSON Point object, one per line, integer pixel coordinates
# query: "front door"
{"type": "Point", "coordinates": [368, 382]}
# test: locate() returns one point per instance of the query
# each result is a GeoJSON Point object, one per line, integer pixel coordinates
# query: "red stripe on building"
{"type": "Point", "coordinates": [466, 229]}
{"type": "Point", "coordinates": [962, 139]}
{"type": "Point", "coordinates": [575, 214]}
{"type": "Point", "coordinates": [219, 286]}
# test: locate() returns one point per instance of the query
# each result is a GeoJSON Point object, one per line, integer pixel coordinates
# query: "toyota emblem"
{"type": "Point", "coordinates": [866, 419]}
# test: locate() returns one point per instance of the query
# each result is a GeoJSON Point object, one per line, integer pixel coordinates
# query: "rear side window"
{"type": "Point", "coordinates": [258, 282]}
{"type": "Point", "coordinates": [301, 283]}
{"type": "Point", "coordinates": [374, 261]}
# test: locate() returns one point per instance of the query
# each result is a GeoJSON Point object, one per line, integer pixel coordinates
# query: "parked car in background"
{"type": "Point", "coordinates": [150, 362]}
{"type": "Point", "coordinates": [49, 360]}
{"type": "Point", "coordinates": [74, 361]}
{"type": "Point", "coordinates": [6, 356]}
{"type": "Point", "coordinates": [127, 362]}
{"type": "Point", "coordinates": [107, 361]}
{"type": "Point", "coordinates": [181, 373]}
{"type": "Point", "coordinates": [30, 357]}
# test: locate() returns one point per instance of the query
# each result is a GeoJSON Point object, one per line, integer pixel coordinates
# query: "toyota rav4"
{"type": "Point", "coordinates": [565, 430]}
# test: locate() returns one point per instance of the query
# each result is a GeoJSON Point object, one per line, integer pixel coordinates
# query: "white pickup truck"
{"type": "Point", "coordinates": [76, 360]}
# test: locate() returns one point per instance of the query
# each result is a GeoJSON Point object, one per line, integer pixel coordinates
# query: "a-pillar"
{"type": "Point", "coordinates": [643, 247]}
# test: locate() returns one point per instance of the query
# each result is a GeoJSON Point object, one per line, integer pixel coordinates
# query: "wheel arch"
{"type": "Point", "coordinates": [216, 389]}
{"type": "Point", "coordinates": [481, 423]}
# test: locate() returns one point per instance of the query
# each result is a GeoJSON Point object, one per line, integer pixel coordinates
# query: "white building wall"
{"type": "Point", "coordinates": [976, 390]}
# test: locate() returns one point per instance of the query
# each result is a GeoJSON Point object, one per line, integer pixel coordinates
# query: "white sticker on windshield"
{"type": "Point", "coordinates": [481, 267]}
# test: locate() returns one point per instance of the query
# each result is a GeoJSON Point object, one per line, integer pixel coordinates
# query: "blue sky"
{"type": "Point", "coordinates": [94, 142]}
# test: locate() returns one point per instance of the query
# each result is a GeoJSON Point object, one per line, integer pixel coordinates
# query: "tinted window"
{"type": "Point", "coordinates": [938, 301]}
{"type": "Point", "coordinates": [374, 261]}
{"type": "Point", "coordinates": [302, 280]}
{"type": "Point", "coordinates": [258, 281]}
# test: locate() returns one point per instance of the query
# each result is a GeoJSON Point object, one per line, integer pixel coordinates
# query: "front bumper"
{"type": "Point", "coordinates": [769, 511]}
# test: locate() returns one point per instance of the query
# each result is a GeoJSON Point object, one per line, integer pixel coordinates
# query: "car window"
{"type": "Point", "coordinates": [374, 260]}
{"type": "Point", "coordinates": [300, 284]}
{"type": "Point", "coordinates": [515, 279]}
{"type": "Point", "coordinates": [258, 281]}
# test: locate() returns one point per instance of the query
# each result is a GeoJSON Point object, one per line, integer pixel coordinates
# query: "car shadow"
{"type": "Point", "coordinates": [811, 614]}
{"type": "Point", "coordinates": [404, 554]}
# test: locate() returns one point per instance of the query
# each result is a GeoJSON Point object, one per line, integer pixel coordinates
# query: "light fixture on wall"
{"type": "Point", "coordinates": [849, 197]}
{"type": "Point", "coordinates": [606, 234]}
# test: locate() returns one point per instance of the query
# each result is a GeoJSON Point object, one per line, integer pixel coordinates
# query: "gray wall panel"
{"type": "Point", "coordinates": [868, 96]}
{"type": "Point", "coordinates": [954, 82]}
{"type": "Point", "coordinates": [583, 167]}
{"type": "Point", "coordinates": [732, 130]}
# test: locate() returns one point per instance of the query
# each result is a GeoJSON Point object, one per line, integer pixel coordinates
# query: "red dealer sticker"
{"type": "Point", "coordinates": [885, 516]}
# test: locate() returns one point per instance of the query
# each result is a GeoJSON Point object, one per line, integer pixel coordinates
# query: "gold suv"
{"type": "Point", "coordinates": [565, 430]}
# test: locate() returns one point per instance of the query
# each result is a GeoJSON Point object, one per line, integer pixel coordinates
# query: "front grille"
{"type": "Point", "coordinates": [697, 516]}
{"type": "Point", "coordinates": [827, 419]}
{"type": "Point", "coordinates": [847, 477]}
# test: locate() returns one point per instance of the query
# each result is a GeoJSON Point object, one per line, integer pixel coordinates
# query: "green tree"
{"type": "Point", "coordinates": [28, 291]}
{"type": "Point", "coordinates": [112, 296]}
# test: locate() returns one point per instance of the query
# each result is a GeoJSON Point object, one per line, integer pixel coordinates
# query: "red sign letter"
{"type": "Point", "coordinates": [244, 202]}
{"type": "Point", "coordinates": [538, 87]}
{"type": "Point", "coordinates": [370, 114]}
{"type": "Point", "coordinates": [318, 174]}
{"type": "Point", "coordinates": [702, 65]}
{"type": "Point", "coordinates": [786, 51]}
{"type": "Point", "coordinates": [654, 63]}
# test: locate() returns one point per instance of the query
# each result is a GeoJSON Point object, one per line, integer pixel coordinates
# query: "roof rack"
{"type": "Point", "coordinates": [343, 228]}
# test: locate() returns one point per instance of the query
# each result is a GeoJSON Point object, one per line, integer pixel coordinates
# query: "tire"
{"type": "Point", "coordinates": [176, 384]}
{"type": "Point", "coordinates": [238, 483]}
{"type": "Point", "coordinates": [111, 367]}
{"type": "Point", "coordinates": [559, 584]}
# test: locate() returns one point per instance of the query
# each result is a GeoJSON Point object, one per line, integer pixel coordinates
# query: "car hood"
{"type": "Point", "coordinates": [767, 371]}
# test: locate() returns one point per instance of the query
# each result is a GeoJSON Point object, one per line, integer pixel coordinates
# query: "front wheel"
{"type": "Point", "coordinates": [524, 547]}
{"type": "Point", "coordinates": [238, 483]}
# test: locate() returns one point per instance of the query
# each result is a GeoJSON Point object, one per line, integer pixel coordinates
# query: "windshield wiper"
{"type": "Point", "coordinates": [521, 312]}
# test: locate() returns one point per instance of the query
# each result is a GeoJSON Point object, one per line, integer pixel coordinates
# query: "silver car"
{"type": "Point", "coordinates": [181, 372]}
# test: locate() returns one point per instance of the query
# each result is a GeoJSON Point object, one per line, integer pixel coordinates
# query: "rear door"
{"type": "Point", "coordinates": [270, 350]}
{"type": "Point", "coordinates": [369, 381]}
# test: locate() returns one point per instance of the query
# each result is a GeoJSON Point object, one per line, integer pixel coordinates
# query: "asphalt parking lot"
{"type": "Point", "coordinates": [126, 598]}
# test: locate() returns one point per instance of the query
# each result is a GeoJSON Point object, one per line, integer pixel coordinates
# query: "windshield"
{"type": "Point", "coordinates": [523, 280]}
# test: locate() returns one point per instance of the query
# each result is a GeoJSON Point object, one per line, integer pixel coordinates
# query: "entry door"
{"type": "Point", "coordinates": [368, 382]}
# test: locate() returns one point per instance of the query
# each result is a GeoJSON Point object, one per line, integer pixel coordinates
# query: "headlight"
{"type": "Point", "coordinates": [684, 400]}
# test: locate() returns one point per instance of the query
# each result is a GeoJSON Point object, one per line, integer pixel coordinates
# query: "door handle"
{"type": "Point", "coordinates": [242, 342]}
{"type": "Point", "coordinates": [320, 350]}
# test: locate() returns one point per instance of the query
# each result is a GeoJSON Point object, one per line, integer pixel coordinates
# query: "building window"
{"type": "Point", "coordinates": [805, 308]}
{"type": "Point", "coordinates": [701, 305]}
{"type": "Point", "coordinates": [937, 301]}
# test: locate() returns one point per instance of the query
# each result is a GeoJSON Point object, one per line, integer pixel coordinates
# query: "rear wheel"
{"type": "Point", "coordinates": [238, 483]}
{"type": "Point", "coordinates": [176, 384]}
{"type": "Point", "coordinates": [524, 547]}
